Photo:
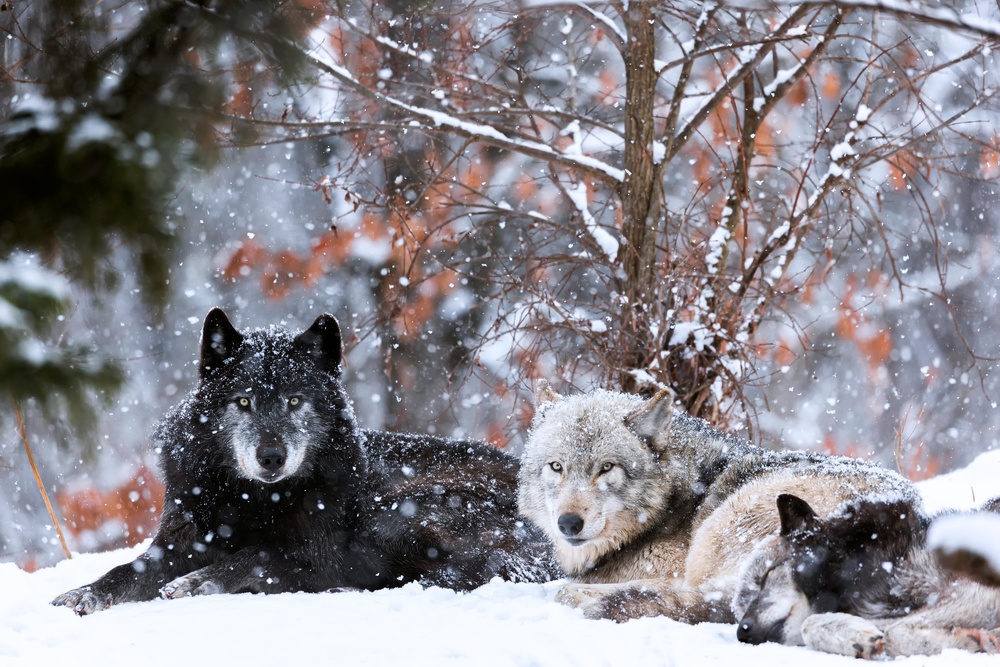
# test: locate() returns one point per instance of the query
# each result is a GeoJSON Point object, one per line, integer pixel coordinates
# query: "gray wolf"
{"type": "Point", "coordinates": [652, 512]}
{"type": "Point", "coordinates": [860, 582]}
{"type": "Point", "coordinates": [271, 486]}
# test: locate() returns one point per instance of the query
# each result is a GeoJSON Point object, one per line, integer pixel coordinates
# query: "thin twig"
{"type": "Point", "coordinates": [38, 480]}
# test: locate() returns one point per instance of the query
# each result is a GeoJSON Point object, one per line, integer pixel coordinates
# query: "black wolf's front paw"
{"type": "Point", "coordinates": [191, 584]}
{"type": "Point", "coordinates": [83, 601]}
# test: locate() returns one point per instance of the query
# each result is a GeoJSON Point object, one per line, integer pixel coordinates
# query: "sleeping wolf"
{"type": "Point", "coordinates": [652, 512]}
{"type": "Point", "coordinates": [271, 487]}
{"type": "Point", "coordinates": [861, 582]}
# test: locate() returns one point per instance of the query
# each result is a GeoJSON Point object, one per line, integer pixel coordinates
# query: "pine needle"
{"type": "Point", "coordinates": [38, 480]}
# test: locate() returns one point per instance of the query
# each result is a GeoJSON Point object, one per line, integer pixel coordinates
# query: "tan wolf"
{"type": "Point", "coordinates": [652, 512]}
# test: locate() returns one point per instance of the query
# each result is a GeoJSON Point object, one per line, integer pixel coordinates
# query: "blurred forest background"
{"type": "Point", "coordinates": [785, 211]}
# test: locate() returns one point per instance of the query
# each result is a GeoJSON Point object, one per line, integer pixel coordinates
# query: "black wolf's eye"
{"type": "Point", "coordinates": [243, 402]}
{"type": "Point", "coordinates": [556, 466]}
{"type": "Point", "coordinates": [294, 402]}
{"type": "Point", "coordinates": [608, 465]}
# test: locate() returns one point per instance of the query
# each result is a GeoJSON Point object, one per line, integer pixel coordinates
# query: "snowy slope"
{"type": "Point", "coordinates": [499, 624]}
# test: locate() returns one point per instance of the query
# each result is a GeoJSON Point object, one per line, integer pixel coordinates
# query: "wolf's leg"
{"type": "Point", "coordinates": [903, 639]}
{"type": "Point", "coordinates": [170, 555]}
{"type": "Point", "coordinates": [583, 595]}
{"type": "Point", "coordinates": [843, 634]}
{"type": "Point", "coordinates": [651, 597]}
{"type": "Point", "coordinates": [259, 569]}
{"type": "Point", "coordinates": [962, 618]}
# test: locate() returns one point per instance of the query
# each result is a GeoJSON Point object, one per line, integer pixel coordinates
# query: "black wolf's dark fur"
{"type": "Point", "coordinates": [366, 509]}
{"type": "Point", "coordinates": [852, 562]}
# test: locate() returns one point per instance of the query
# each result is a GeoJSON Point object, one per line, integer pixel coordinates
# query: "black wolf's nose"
{"type": "Point", "coordinates": [271, 457]}
{"type": "Point", "coordinates": [570, 524]}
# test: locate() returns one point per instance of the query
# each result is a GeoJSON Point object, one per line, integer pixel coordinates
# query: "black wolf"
{"type": "Point", "coordinates": [860, 582]}
{"type": "Point", "coordinates": [272, 487]}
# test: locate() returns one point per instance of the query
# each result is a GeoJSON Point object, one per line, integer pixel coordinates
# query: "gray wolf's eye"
{"type": "Point", "coordinates": [556, 466]}
{"type": "Point", "coordinates": [608, 465]}
{"type": "Point", "coordinates": [243, 402]}
{"type": "Point", "coordinates": [294, 402]}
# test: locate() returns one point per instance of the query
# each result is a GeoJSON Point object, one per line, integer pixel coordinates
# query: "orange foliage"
{"type": "Point", "coordinates": [525, 187]}
{"type": "Point", "coordinates": [784, 355]}
{"type": "Point", "coordinates": [241, 262]}
{"type": "Point", "coordinates": [241, 103]}
{"type": "Point", "coordinates": [764, 141]}
{"type": "Point", "coordinates": [607, 88]}
{"type": "Point", "coordinates": [831, 86]}
{"type": "Point", "coordinates": [703, 163]}
{"type": "Point", "coordinates": [901, 167]}
{"type": "Point", "coordinates": [920, 465]}
{"type": "Point", "coordinates": [906, 55]}
{"type": "Point", "coordinates": [835, 448]}
{"type": "Point", "coordinates": [410, 318]}
{"type": "Point", "coordinates": [989, 161]}
{"type": "Point", "coordinates": [798, 94]}
{"type": "Point", "coordinates": [876, 346]}
{"type": "Point", "coordinates": [136, 504]}
{"type": "Point", "coordinates": [304, 15]}
{"type": "Point", "coordinates": [283, 270]}
{"type": "Point", "coordinates": [496, 436]}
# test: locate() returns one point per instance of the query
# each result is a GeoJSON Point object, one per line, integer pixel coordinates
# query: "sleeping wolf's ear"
{"type": "Point", "coordinates": [322, 340]}
{"type": "Point", "coordinates": [651, 420]}
{"type": "Point", "coordinates": [795, 514]}
{"type": "Point", "coordinates": [219, 340]}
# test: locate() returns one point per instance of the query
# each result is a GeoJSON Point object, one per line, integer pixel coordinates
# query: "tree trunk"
{"type": "Point", "coordinates": [640, 193]}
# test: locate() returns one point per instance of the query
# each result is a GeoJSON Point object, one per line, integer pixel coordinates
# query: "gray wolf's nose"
{"type": "Point", "coordinates": [271, 457]}
{"type": "Point", "coordinates": [570, 524]}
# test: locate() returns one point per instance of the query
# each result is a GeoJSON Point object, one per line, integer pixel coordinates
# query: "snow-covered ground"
{"type": "Point", "coordinates": [498, 624]}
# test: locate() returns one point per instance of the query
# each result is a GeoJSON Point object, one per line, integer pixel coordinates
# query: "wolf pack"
{"type": "Point", "coordinates": [272, 486]}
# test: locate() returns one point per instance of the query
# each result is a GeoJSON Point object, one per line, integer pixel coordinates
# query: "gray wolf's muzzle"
{"type": "Point", "coordinates": [570, 525]}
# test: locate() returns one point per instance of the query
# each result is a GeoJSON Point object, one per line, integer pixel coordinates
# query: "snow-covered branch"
{"type": "Point", "coordinates": [487, 134]}
{"type": "Point", "coordinates": [941, 16]}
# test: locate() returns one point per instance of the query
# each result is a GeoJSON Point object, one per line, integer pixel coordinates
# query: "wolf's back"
{"type": "Point", "coordinates": [461, 494]}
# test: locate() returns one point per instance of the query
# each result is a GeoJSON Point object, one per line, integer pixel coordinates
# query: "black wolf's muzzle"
{"type": "Point", "coordinates": [271, 457]}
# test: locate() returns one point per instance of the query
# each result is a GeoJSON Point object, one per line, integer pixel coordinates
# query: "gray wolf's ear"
{"type": "Point", "coordinates": [544, 394]}
{"type": "Point", "coordinates": [322, 341]}
{"type": "Point", "coordinates": [219, 341]}
{"type": "Point", "coordinates": [795, 514]}
{"type": "Point", "coordinates": [651, 420]}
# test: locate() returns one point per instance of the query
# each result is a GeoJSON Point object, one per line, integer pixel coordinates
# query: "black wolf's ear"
{"type": "Point", "coordinates": [322, 340]}
{"type": "Point", "coordinates": [795, 514]}
{"type": "Point", "coordinates": [651, 420]}
{"type": "Point", "coordinates": [219, 340]}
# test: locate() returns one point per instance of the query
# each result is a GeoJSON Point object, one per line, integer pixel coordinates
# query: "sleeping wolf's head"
{"type": "Point", "coordinates": [847, 562]}
{"type": "Point", "coordinates": [591, 474]}
{"type": "Point", "coordinates": [271, 399]}
{"type": "Point", "coordinates": [769, 604]}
